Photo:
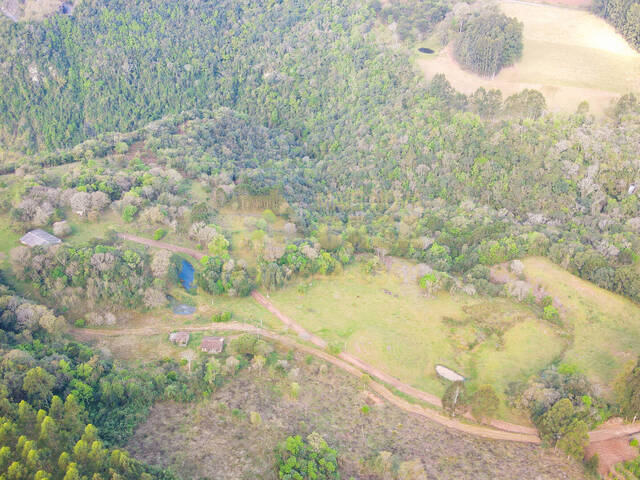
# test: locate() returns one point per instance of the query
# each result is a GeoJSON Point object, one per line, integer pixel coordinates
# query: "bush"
{"type": "Point", "coordinates": [550, 314]}
{"type": "Point", "coordinates": [269, 216]}
{"type": "Point", "coordinates": [129, 212]}
{"type": "Point", "coordinates": [159, 234]}
{"type": "Point", "coordinates": [313, 459]}
{"type": "Point", "coordinates": [221, 317]}
{"type": "Point", "coordinates": [80, 322]}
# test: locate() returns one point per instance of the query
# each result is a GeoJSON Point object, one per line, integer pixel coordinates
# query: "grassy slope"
{"type": "Point", "coordinates": [569, 55]}
{"type": "Point", "coordinates": [606, 326]}
{"type": "Point", "coordinates": [408, 334]}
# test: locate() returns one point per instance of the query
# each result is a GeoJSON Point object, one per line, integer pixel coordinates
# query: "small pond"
{"type": "Point", "coordinates": [425, 50]}
{"type": "Point", "coordinates": [180, 308]}
{"type": "Point", "coordinates": [183, 309]}
{"type": "Point", "coordinates": [186, 275]}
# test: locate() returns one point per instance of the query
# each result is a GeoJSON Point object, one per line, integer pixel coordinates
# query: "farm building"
{"type": "Point", "coordinates": [212, 344]}
{"type": "Point", "coordinates": [449, 374]}
{"type": "Point", "coordinates": [179, 338]}
{"type": "Point", "coordinates": [39, 238]}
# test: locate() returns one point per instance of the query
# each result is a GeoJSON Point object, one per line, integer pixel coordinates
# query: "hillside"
{"type": "Point", "coordinates": [406, 280]}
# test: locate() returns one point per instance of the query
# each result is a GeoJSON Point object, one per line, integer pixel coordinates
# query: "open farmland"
{"type": "Point", "coordinates": [569, 55]}
{"type": "Point", "coordinates": [390, 324]}
{"type": "Point", "coordinates": [605, 326]}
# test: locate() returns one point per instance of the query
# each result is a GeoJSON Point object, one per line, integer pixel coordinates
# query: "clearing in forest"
{"type": "Point", "coordinates": [605, 326]}
{"type": "Point", "coordinates": [569, 55]}
{"type": "Point", "coordinates": [391, 325]}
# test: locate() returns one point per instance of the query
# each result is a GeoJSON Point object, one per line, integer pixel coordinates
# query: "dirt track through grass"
{"type": "Point", "coordinates": [518, 433]}
{"type": "Point", "coordinates": [381, 390]}
{"type": "Point", "coordinates": [164, 245]}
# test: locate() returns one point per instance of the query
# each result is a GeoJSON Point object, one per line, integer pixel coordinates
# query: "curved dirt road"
{"type": "Point", "coordinates": [378, 373]}
{"type": "Point", "coordinates": [600, 434]}
{"type": "Point", "coordinates": [381, 390]}
{"type": "Point", "coordinates": [528, 434]}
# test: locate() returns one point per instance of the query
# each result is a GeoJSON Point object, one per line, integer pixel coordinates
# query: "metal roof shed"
{"type": "Point", "coordinates": [39, 238]}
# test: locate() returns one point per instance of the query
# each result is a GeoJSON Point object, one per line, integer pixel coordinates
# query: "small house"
{"type": "Point", "coordinates": [449, 374]}
{"type": "Point", "coordinates": [179, 338]}
{"type": "Point", "coordinates": [39, 238]}
{"type": "Point", "coordinates": [212, 344]}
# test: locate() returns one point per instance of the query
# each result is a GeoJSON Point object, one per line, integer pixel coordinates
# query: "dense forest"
{"type": "Point", "coordinates": [411, 20]}
{"type": "Point", "coordinates": [622, 14]}
{"type": "Point", "coordinates": [489, 41]}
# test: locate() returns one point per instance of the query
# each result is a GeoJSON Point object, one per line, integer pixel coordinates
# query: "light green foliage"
{"type": "Point", "coordinates": [295, 390]}
{"type": "Point", "coordinates": [129, 212]}
{"type": "Point", "coordinates": [550, 313]}
{"type": "Point", "coordinates": [311, 460]}
{"type": "Point", "coordinates": [159, 234]}
{"type": "Point", "coordinates": [269, 216]}
{"type": "Point", "coordinates": [219, 246]}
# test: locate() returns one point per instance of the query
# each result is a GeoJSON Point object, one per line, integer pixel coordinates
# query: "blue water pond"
{"type": "Point", "coordinates": [186, 275]}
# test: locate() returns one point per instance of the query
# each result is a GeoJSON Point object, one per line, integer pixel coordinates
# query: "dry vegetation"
{"type": "Point", "coordinates": [216, 439]}
{"type": "Point", "coordinates": [569, 55]}
{"type": "Point", "coordinates": [36, 10]}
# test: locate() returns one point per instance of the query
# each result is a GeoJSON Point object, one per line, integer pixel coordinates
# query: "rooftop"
{"type": "Point", "coordinates": [212, 344]}
{"type": "Point", "coordinates": [39, 238]}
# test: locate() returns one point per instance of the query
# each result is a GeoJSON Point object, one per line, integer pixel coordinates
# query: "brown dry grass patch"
{"type": "Point", "coordinates": [215, 438]}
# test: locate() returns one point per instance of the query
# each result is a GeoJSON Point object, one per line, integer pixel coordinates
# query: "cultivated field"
{"type": "Point", "coordinates": [569, 55]}
{"type": "Point", "coordinates": [391, 325]}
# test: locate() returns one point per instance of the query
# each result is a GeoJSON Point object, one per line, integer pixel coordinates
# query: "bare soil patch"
{"type": "Point", "coordinates": [611, 452]}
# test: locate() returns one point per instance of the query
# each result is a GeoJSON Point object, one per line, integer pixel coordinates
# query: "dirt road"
{"type": "Point", "coordinates": [381, 390]}
{"type": "Point", "coordinates": [164, 245]}
{"type": "Point", "coordinates": [501, 430]}
{"type": "Point", "coordinates": [378, 373]}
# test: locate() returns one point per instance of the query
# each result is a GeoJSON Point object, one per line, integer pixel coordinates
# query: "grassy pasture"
{"type": "Point", "coordinates": [391, 325]}
{"type": "Point", "coordinates": [569, 55]}
{"type": "Point", "coordinates": [606, 326]}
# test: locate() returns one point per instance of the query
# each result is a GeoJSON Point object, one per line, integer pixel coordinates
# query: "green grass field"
{"type": "Point", "coordinates": [569, 55]}
{"type": "Point", "coordinates": [391, 325]}
{"type": "Point", "coordinates": [606, 326]}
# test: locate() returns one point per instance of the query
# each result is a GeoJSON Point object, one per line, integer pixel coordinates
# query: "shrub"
{"type": "Point", "coordinates": [313, 459]}
{"type": "Point", "coordinates": [269, 216]}
{"type": "Point", "coordinates": [129, 212]}
{"type": "Point", "coordinates": [159, 234]}
{"type": "Point", "coordinates": [484, 403]}
{"type": "Point", "coordinates": [550, 313]}
{"type": "Point", "coordinates": [80, 322]}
